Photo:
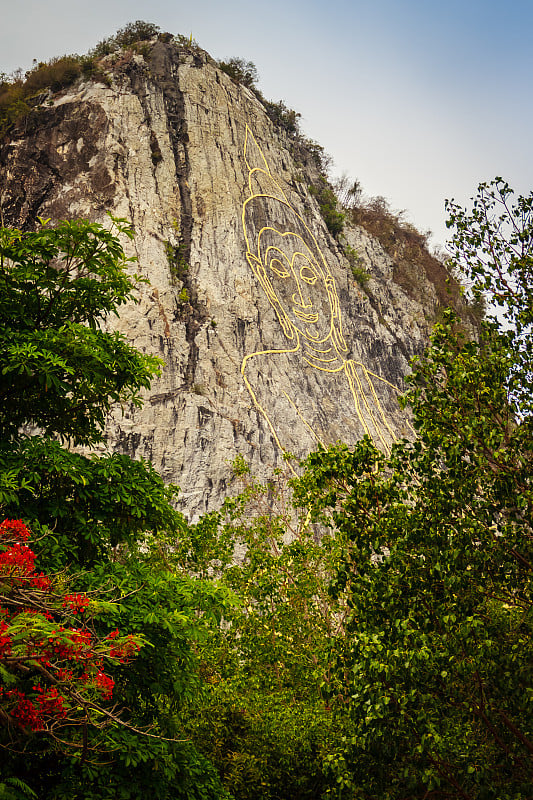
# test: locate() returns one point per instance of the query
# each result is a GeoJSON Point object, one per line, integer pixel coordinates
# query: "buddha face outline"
{"type": "Point", "coordinates": [286, 259]}
{"type": "Point", "coordinates": [293, 274]}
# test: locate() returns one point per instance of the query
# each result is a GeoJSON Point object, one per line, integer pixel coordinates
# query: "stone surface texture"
{"type": "Point", "coordinates": [268, 341]}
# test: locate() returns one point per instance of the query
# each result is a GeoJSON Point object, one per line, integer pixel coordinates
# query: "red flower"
{"type": "Point", "coordinates": [40, 581]}
{"type": "Point", "coordinates": [50, 702]}
{"type": "Point", "coordinates": [5, 641]}
{"type": "Point", "coordinates": [76, 602]}
{"type": "Point", "coordinates": [14, 529]}
{"type": "Point", "coordinates": [24, 711]}
{"type": "Point", "coordinates": [105, 684]}
{"type": "Point", "coordinates": [124, 651]}
{"type": "Point", "coordinates": [64, 674]}
{"type": "Point", "coordinates": [17, 560]}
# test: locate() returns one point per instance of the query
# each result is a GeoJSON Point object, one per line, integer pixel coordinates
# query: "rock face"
{"type": "Point", "coordinates": [268, 341]}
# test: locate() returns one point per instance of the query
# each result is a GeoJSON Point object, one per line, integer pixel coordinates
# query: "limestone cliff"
{"type": "Point", "coordinates": [268, 341]}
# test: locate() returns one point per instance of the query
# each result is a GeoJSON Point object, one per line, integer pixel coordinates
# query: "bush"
{"type": "Point", "coordinates": [241, 71]}
{"type": "Point", "coordinates": [359, 272]}
{"type": "Point", "coordinates": [13, 105]}
{"type": "Point", "coordinates": [138, 31]}
{"type": "Point", "coordinates": [283, 116]}
{"type": "Point", "coordinates": [56, 74]}
{"type": "Point", "coordinates": [127, 36]}
{"type": "Point", "coordinates": [349, 192]}
{"type": "Point", "coordinates": [328, 203]}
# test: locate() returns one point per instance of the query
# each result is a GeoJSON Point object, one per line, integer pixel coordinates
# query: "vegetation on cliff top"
{"type": "Point", "coordinates": [21, 95]}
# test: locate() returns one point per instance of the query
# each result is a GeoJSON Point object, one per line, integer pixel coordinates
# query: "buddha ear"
{"type": "Point", "coordinates": [256, 266]}
{"type": "Point", "coordinates": [338, 338]}
{"type": "Point", "coordinates": [259, 272]}
{"type": "Point", "coordinates": [332, 295]}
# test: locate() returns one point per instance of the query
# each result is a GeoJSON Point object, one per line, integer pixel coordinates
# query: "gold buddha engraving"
{"type": "Point", "coordinates": [287, 261]}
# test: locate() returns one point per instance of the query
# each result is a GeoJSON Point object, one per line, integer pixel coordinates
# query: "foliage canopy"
{"type": "Point", "coordinates": [437, 665]}
{"type": "Point", "coordinates": [418, 663]}
{"type": "Point", "coordinates": [393, 659]}
{"type": "Point", "coordinates": [61, 371]}
{"type": "Point", "coordinates": [97, 519]}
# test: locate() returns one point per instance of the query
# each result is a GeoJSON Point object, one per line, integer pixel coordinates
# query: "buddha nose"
{"type": "Point", "coordinates": [298, 298]}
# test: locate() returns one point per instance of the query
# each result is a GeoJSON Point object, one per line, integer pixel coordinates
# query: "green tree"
{"type": "Point", "coordinates": [265, 721]}
{"type": "Point", "coordinates": [61, 374]}
{"type": "Point", "coordinates": [437, 666]}
{"type": "Point", "coordinates": [492, 248]}
{"type": "Point", "coordinates": [61, 371]}
{"type": "Point", "coordinates": [97, 518]}
{"type": "Point", "coordinates": [241, 71]}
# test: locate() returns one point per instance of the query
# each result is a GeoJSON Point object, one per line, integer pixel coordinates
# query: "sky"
{"type": "Point", "coordinates": [420, 100]}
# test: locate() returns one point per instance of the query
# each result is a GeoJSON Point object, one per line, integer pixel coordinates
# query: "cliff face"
{"type": "Point", "coordinates": [269, 343]}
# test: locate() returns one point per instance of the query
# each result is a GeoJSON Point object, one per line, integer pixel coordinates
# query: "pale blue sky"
{"type": "Point", "coordinates": [419, 100]}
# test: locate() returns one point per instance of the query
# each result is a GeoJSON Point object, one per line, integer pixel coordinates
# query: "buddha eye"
{"type": "Point", "coordinates": [277, 267]}
{"type": "Point", "coordinates": [308, 274]}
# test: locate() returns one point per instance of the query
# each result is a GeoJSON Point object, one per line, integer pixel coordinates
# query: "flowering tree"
{"type": "Point", "coordinates": [92, 515]}
{"type": "Point", "coordinates": [52, 665]}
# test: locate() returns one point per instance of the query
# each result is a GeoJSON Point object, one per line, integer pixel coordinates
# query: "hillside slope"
{"type": "Point", "coordinates": [269, 342]}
